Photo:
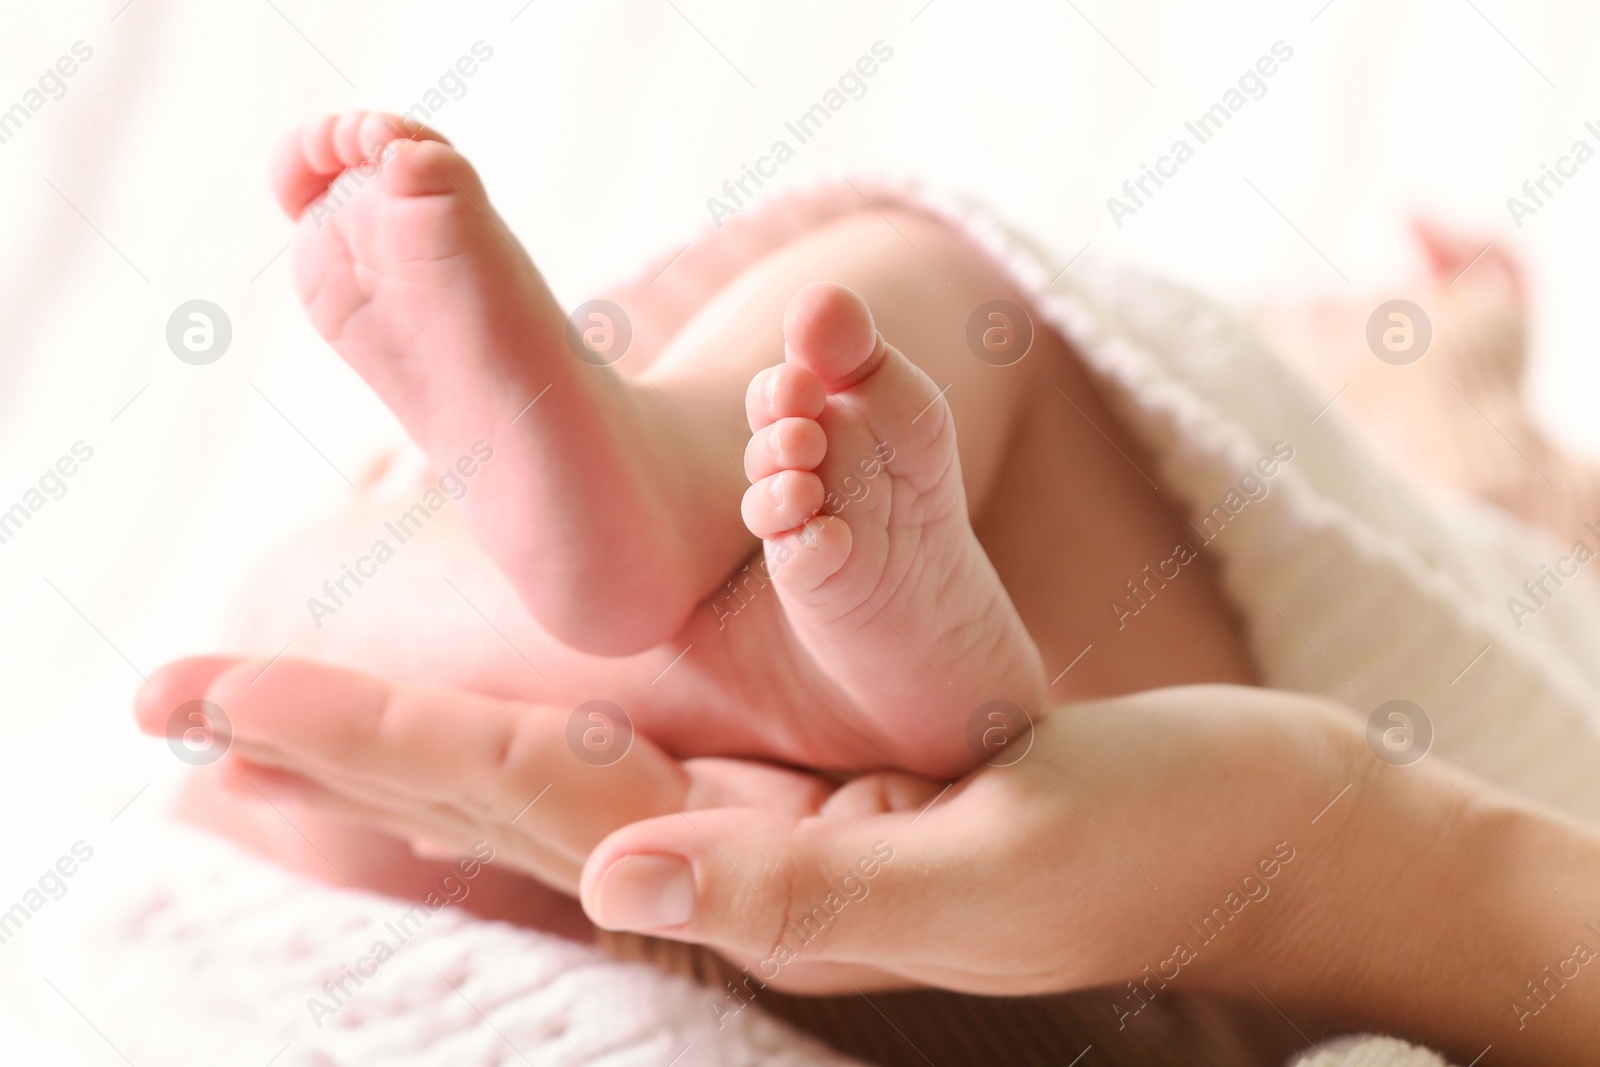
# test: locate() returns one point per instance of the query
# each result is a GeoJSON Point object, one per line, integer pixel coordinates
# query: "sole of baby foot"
{"type": "Point", "coordinates": [857, 494]}
{"type": "Point", "coordinates": [586, 489]}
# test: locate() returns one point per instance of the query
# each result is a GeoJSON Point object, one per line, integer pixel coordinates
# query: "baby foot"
{"type": "Point", "coordinates": [592, 502]}
{"type": "Point", "coordinates": [857, 494]}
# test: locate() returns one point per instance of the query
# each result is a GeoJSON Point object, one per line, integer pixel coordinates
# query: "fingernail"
{"type": "Point", "coordinates": [645, 892]}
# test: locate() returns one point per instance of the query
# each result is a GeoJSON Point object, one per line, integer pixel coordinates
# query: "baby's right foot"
{"type": "Point", "coordinates": [595, 500]}
{"type": "Point", "coordinates": [857, 493]}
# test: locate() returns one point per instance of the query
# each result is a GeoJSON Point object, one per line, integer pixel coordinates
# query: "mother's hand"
{"type": "Point", "coordinates": [1081, 864]}
{"type": "Point", "coordinates": [1242, 841]}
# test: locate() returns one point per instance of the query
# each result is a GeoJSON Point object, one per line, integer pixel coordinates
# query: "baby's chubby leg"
{"type": "Point", "coordinates": [1058, 490]}
{"type": "Point", "coordinates": [923, 281]}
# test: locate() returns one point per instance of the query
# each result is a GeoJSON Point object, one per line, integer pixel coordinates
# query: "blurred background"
{"type": "Point", "coordinates": [137, 184]}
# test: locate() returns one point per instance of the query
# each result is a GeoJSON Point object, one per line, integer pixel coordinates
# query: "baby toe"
{"type": "Point", "coordinates": [828, 330]}
{"type": "Point", "coordinates": [781, 502]}
{"type": "Point", "coordinates": [431, 168]}
{"type": "Point", "coordinates": [347, 138]}
{"type": "Point", "coordinates": [783, 392]}
{"type": "Point", "coordinates": [788, 444]}
{"type": "Point", "coordinates": [802, 560]}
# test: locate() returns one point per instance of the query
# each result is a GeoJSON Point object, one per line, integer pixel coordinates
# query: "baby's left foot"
{"type": "Point", "coordinates": [857, 494]}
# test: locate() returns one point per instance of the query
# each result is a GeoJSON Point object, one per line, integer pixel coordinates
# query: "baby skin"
{"type": "Point", "coordinates": [614, 507]}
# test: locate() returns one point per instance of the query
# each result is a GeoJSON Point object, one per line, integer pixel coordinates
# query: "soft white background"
{"type": "Point", "coordinates": [601, 129]}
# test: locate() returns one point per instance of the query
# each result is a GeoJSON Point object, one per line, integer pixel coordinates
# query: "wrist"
{"type": "Point", "coordinates": [1402, 875]}
{"type": "Point", "coordinates": [1440, 910]}
{"type": "Point", "coordinates": [1330, 799]}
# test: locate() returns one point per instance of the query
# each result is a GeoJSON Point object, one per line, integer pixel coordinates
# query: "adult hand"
{"type": "Point", "coordinates": [1076, 866]}
{"type": "Point", "coordinates": [1236, 840]}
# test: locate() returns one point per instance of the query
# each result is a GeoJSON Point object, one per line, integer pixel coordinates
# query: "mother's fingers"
{"type": "Point", "coordinates": [497, 761]}
{"type": "Point", "coordinates": [439, 764]}
{"type": "Point", "coordinates": [435, 831]}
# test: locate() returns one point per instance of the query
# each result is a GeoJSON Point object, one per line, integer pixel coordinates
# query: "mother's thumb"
{"type": "Point", "coordinates": [755, 884]}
